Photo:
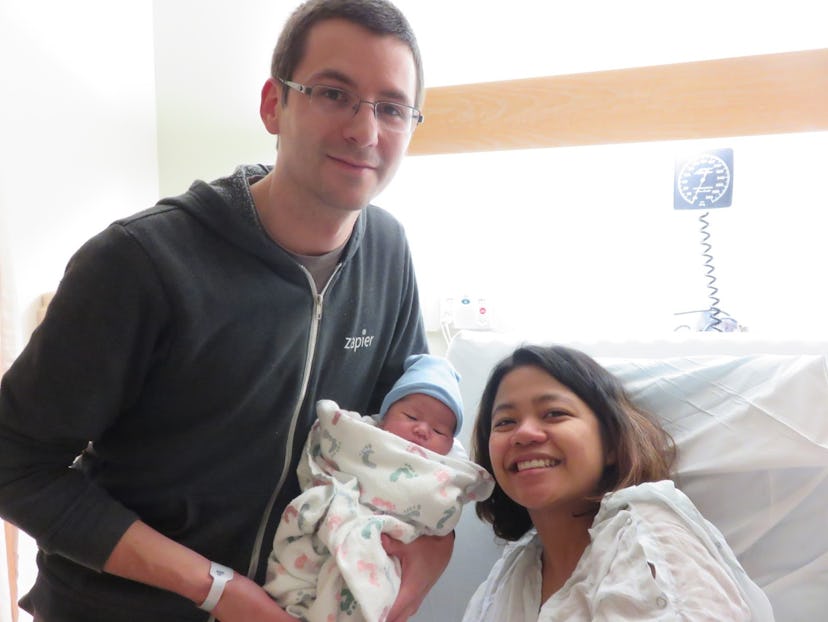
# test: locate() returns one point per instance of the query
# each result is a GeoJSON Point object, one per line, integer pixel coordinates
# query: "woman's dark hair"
{"type": "Point", "coordinates": [644, 451]}
{"type": "Point", "coordinates": [379, 16]}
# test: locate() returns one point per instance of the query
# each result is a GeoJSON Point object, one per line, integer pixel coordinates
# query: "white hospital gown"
{"type": "Point", "coordinates": [359, 481]}
{"type": "Point", "coordinates": [697, 574]}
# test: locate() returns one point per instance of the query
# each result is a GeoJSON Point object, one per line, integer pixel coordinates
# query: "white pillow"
{"type": "Point", "coordinates": [752, 433]}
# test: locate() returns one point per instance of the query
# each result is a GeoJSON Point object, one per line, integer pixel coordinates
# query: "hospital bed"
{"type": "Point", "coordinates": [750, 418]}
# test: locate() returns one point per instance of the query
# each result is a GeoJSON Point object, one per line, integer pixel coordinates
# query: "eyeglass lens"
{"type": "Point", "coordinates": [391, 115]}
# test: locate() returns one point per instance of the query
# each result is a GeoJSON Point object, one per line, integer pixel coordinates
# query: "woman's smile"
{"type": "Point", "coordinates": [535, 463]}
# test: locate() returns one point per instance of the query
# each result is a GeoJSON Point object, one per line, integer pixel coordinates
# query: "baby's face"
{"type": "Point", "coordinates": [423, 420]}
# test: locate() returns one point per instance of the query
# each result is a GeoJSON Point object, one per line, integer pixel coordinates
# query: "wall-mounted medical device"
{"type": "Point", "coordinates": [704, 181]}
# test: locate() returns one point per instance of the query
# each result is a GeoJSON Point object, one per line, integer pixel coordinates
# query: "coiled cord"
{"type": "Point", "coordinates": [714, 321]}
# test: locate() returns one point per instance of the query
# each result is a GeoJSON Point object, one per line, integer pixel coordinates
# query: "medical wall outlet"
{"type": "Point", "coordinates": [465, 313]}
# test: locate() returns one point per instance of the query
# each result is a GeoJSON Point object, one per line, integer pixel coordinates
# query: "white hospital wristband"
{"type": "Point", "coordinates": [221, 575]}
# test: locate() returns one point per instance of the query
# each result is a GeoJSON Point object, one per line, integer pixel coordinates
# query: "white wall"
{"type": "Point", "coordinates": [77, 146]}
{"type": "Point", "coordinates": [585, 241]}
{"type": "Point", "coordinates": [211, 62]}
{"type": "Point", "coordinates": [78, 131]}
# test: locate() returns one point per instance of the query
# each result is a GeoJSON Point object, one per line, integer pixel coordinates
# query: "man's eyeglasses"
{"type": "Point", "coordinates": [334, 101]}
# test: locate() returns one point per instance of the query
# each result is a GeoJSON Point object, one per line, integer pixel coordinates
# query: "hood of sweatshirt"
{"type": "Point", "coordinates": [225, 206]}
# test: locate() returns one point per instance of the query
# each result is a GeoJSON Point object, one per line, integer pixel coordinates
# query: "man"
{"type": "Point", "coordinates": [189, 343]}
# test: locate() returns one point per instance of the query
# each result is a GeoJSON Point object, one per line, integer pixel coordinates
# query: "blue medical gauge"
{"type": "Point", "coordinates": [705, 181]}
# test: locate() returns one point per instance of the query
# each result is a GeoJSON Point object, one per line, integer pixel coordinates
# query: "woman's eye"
{"type": "Point", "coordinates": [554, 414]}
{"type": "Point", "coordinates": [502, 423]}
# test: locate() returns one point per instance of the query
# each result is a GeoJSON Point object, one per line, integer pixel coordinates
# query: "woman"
{"type": "Point", "coordinates": [597, 529]}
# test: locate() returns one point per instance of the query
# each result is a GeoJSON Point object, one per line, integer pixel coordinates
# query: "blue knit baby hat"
{"type": "Point", "coordinates": [431, 375]}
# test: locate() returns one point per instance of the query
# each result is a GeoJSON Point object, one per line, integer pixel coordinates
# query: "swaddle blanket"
{"type": "Point", "coordinates": [359, 481]}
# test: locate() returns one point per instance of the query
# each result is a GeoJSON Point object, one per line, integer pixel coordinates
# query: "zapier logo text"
{"type": "Point", "coordinates": [360, 341]}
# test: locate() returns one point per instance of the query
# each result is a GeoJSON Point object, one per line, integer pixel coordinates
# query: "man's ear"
{"type": "Point", "coordinates": [270, 105]}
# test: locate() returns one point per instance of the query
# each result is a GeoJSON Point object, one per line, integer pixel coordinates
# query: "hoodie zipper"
{"type": "Point", "coordinates": [316, 318]}
{"type": "Point", "coordinates": [318, 306]}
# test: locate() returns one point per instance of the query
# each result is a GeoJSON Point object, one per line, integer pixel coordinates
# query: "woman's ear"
{"type": "Point", "coordinates": [270, 105]}
{"type": "Point", "coordinates": [610, 458]}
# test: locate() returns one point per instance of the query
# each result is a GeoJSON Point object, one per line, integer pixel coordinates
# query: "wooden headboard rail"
{"type": "Point", "coordinates": [767, 94]}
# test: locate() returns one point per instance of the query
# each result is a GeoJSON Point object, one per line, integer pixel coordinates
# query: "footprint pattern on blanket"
{"type": "Point", "coordinates": [416, 449]}
{"type": "Point", "coordinates": [289, 514]}
{"type": "Point", "coordinates": [319, 547]}
{"type": "Point", "coordinates": [334, 443]}
{"type": "Point", "coordinates": [411, 512]}
{"type": "Point", "coordinates": [446, 515]}
{"type": "Point", "coordinates": [369, 569]}
{"type": "Point", "coordinates": [347, 602]}
{"type": "Point", "coordinates": [301, 520]}
{"type": "Point", "coordinates": [405, 470]}
{"type": "Point", "coordinates": [444, 478]}
{"type": "Point", "coordinates": [369, 526]}
{"type": "Point", "coordinates": [383, 504]}
{"type": "Point", "coordinates": [366, 452]}
{"type": "Point", "coordinates": [306, 599]}
{"type": "Point", "coordinates": [470, 492]}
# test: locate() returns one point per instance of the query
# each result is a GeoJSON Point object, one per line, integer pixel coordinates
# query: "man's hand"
{"type": "Point", "coordinates": [422, 562]}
